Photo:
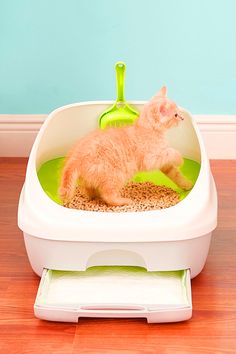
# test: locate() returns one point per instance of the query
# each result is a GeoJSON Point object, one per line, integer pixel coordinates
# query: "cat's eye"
{"type": "Point", "coordinates": [176, 115]}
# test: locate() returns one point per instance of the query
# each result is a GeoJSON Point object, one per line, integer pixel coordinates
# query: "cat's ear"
{"type": "Point", "coordinates": [162, 92]}
{"type": "Point", "coordinates": [164, 109]}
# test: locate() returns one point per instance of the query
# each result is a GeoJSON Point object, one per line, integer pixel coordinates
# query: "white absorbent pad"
{"type": "Point", "coordinates": [119, 286]}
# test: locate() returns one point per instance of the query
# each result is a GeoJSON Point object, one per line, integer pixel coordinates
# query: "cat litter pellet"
{"type": "Point", "coordinates": [145, 196]}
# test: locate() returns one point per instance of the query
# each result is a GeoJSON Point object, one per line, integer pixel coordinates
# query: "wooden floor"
{"type": "Point", "coordinates": [212, 328]}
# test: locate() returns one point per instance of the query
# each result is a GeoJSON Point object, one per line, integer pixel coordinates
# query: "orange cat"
{"type": "Point", "coordinates": [105, 160]}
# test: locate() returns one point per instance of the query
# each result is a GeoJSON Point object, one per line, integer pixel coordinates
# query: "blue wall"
{"type": "Point", "coordinates": [55, 52]}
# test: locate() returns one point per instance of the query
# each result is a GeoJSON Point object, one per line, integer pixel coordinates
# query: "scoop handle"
{"type": "Point", "coordinates": [120, 81]}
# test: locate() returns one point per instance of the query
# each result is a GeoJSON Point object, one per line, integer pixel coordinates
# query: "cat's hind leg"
{"type": "Point", "coordinates": [68, 183]}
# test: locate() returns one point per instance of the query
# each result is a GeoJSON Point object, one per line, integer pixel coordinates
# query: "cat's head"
{"type": "Point", "coordinates": [160, 113]}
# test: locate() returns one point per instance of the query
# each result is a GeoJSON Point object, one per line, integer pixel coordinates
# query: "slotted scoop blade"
{"type": "Point", "coordinates": [121, 113]}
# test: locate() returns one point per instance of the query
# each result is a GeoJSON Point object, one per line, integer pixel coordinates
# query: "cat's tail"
{"type": "Point", "coordinates": [68, 184]}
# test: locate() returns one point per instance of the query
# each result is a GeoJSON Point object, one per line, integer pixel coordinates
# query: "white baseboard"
{"type": "Point", "coordinates": [17, 134]}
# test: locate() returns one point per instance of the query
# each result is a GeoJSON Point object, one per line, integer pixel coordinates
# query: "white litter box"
{"type": "Point", "coordinates": [107, 264]}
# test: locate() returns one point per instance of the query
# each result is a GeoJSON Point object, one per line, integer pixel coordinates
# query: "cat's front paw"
{"type": "Point", "coordinates": [186, 185]}
{"type": "Point", "coordinates": [118, 201]}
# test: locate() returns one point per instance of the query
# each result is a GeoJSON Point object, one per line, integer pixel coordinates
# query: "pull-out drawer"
{"type": "Point", "coordinates": [114, 292]}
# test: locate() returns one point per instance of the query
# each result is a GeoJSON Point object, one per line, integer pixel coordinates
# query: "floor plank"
{"type": "Point", "coordinates": [211, 330]}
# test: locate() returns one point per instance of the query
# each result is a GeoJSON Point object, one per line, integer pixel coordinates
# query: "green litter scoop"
{"type": "Point", "coordinates": [121, 113]}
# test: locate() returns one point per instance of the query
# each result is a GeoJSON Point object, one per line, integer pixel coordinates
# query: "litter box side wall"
{"type": "Point", "coordinates": [154, 256]}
